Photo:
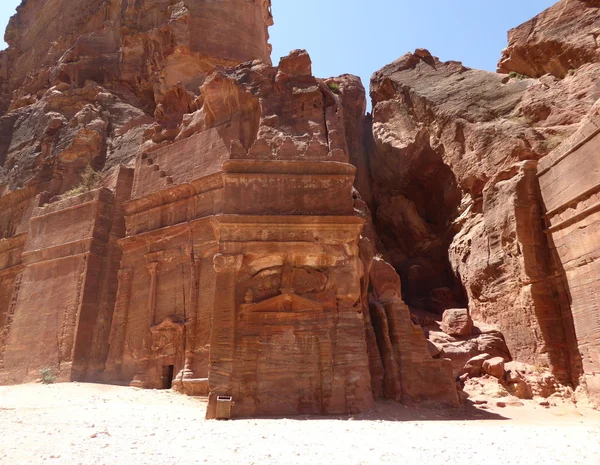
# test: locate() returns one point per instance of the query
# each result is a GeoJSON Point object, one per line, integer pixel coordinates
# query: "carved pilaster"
{"type": "Point", "coordinates": [222, 346]}
{"type": "Point", "coordinates": [227, 263]}
{"type": "Point", "coordinates": [118, 330]}
{"type": "Point", "coordinates": [12, 308]}
{"type": "Point", "coordinates": [192, 330]}
{"type": "Point", "coordinates": [153, 269]}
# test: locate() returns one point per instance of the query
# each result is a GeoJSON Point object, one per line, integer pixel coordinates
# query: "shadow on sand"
{"type": "Point", "coordinates": [392, 411]}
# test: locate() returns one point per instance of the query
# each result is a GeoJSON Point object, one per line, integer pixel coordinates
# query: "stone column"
{"type": "Point", "coordinates": [222, 347]}
{"type": "Point", "coordinates": [139, 380]}
{"type": "Point", "coordinates": [153, 268]}
{"type": "Point", "coordinates": [189, 332]}
{"type": "Point", "coordinates": [118, 331]}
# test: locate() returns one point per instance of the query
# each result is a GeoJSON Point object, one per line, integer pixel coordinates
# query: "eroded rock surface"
{"type": "Point", "coordinates": [570, 182]}
{"type": "Point", "coordinates": [557, 41]}
{"type": "Point", "coordinates": [456, 198]}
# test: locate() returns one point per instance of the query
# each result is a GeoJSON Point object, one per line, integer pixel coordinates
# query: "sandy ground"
{"type": "Point", "coordinates": [94, 424]}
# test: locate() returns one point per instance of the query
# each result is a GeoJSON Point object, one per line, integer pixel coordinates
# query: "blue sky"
{"type": "Point", "coordinates": [7, 9]}
{"type": "Point", "coordinates": [361, 36]}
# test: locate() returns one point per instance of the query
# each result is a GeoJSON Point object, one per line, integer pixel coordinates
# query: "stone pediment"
{"type": "Point", "coordinates": [170, 323]}
{"type": "Point", "coordinates": [167, 334]}
{"type": "Point", "coordinates": [286, 302]}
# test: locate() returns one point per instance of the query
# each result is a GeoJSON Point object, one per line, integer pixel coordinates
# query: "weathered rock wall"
{"type": "Point", "coordinates": [456, 198]}
{"type": "Point", "coordinates": [570, 181]}
{"type": "Point", "coordinates": [63, 301]}
{"type": "Point", "coordinates": [146, 46]}
{"type": "Point", "coordinates": [467, 209]}
{"type": "Point", "coordinates": [10, 269]}
{"type": "Point", "coordinates": [557, 41]}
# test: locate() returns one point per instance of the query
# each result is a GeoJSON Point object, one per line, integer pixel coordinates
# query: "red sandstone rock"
{"type": "Point", "coordinates": [181, 224]}
{"type": "Point", "coordinates": [458, 202]}
{"type": "Point", "coordinates": [461, 350]}
{"type": "Point", "coordinates": [457, 322]}
{"type": "Point", "coordinates": [526, 381]}
{"type": "Point", "coordinates": [558, 41]}
{"type": "Point", "coordinates": [474, 366]}
{"type": "Point", "coordinates": [239, 270]}
{"type": "Point", "coordinates": [150, 46]}
{"type": "Point", "coordinates": [494, 367]}
{"type": "Point", "coordinates": [570, 181]}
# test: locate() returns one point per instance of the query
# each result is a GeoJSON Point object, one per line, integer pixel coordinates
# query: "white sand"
{"type": "Point", "coordinates": [94, 424]}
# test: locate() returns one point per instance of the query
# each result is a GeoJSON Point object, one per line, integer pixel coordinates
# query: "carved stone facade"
{"type": "Point", "coordinates": [570, 184]}
{"type": "Point", "coordinates": [69, 262]}
{"type": "Point", "coordinates": [242, 275]}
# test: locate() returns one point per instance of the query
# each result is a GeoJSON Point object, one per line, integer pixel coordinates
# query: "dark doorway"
{"type": "Point", "coordinates": [168, 374]}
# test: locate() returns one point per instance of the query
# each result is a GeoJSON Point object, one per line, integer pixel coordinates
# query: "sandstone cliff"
{"type": "Point", "coordinates": [456, 199]}
{"type": "Point", "coordinates": [558, 41]}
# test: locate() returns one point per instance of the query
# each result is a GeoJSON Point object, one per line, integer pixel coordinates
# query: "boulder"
{"type": "Point", "coordinates": [493, 343]}
{"type": "Point", "coordinates": [474, 367]}
{"type": "Point", "coordinates": [485, 387]}
{"type": "Point", "coordinates": [462, 349]}
{"type": "Point", "coordinates": [528, 381]}
{"type": "Point", "coordinates": [434, 350]}
{"type": "Point", "coordinates": [494, 367]}
{"type": "Point", "coordinates": [459, 352]}
{"type": "Point", "coordinates": [457, 322]}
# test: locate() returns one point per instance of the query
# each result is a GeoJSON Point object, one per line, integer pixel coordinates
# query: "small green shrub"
{"type": "Point", "coordinates": [335, 87]}
{"type": "Point", "coordinates": [571, 72]}
{"type": "Point", "coordinates": [48, 376]}
{"type": "Point", "coordinates": [89, 180]}
{"type": "Point", "coordinates": [551, 143]}
{"type": "Point", "coordinates": [522, 119]}
{"type": "Point", "coordinates": [539, 369]}
{"type": "Point", "coordinates": [519, 76]}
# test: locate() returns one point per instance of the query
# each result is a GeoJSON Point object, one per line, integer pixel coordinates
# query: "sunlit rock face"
{"type": "Point", "coordinates": [145, 46]}
{"type": "Point", "coordinates": [469, 190]}
{"type": "Point", "coordinates": [558, 41]}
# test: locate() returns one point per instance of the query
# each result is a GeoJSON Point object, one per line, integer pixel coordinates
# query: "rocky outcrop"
{"type": "Point", "coordinates": [558, 41]}
{"type": "Point", "coordinates": [80, 88]}
{"type": "Point", "coordinates": [139, 48]}
{"type": "Point", "coordinates": [475, 137]}
{"type": "Point", "coordinates": [457, 202]}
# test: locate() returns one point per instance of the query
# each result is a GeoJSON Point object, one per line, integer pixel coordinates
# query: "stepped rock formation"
{"type": "Point", "coordinates": [175, 211]}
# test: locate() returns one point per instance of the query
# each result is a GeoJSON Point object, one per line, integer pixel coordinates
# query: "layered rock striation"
{"type": "Point", "coordinates": [457, 203]}
{"type": "Point", "coordinates": [558, 41]}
